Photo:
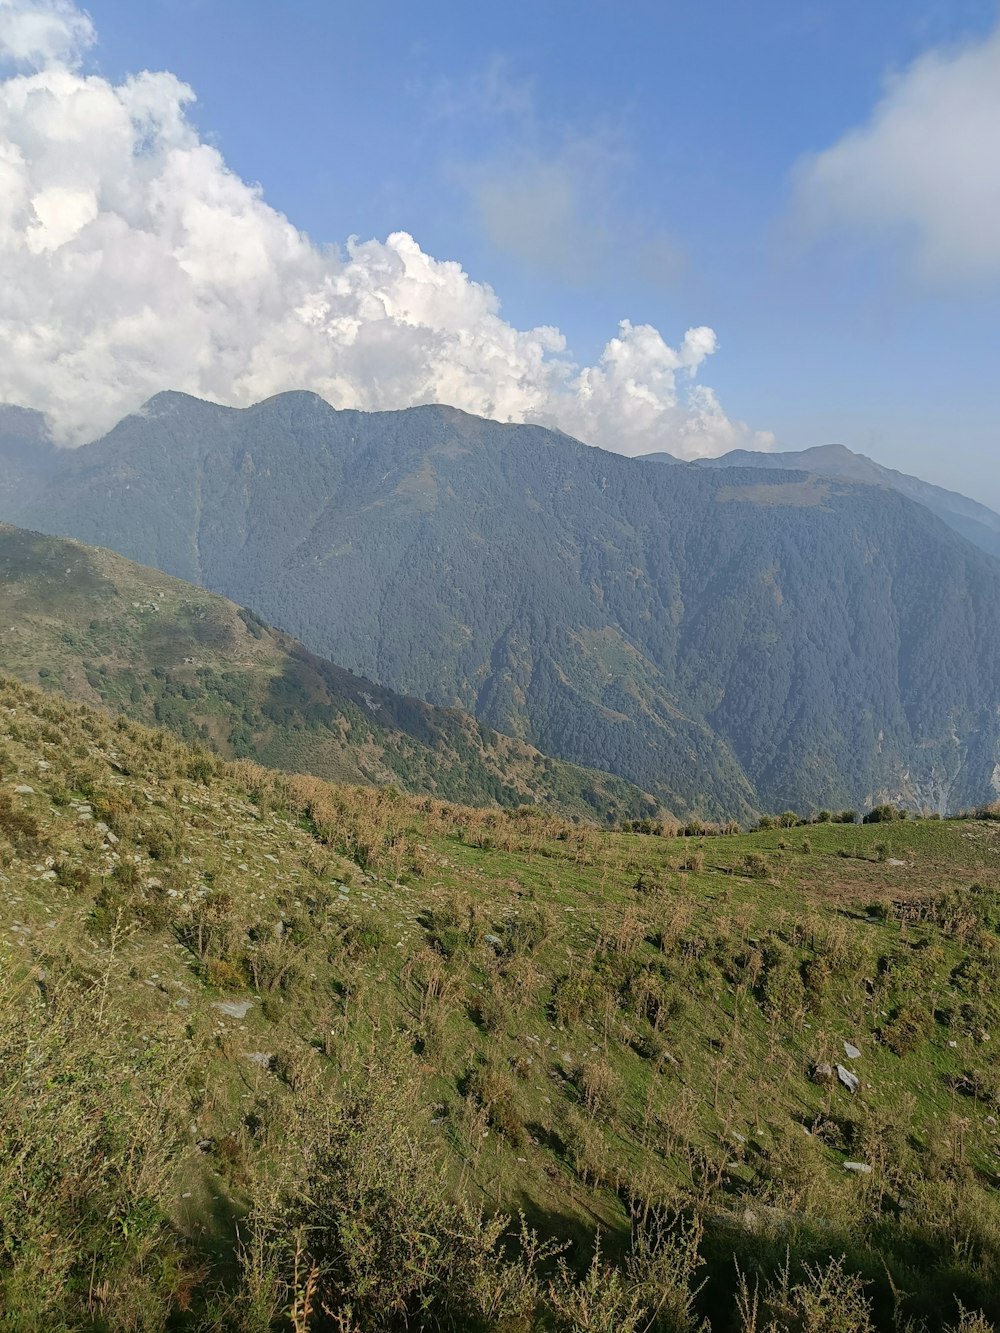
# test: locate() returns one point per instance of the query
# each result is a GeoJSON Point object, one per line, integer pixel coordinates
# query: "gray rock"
{"type": "Point", "coordinates": [851, 1051]}
{"type": "Point", "coordinates": [262, 1058]}
{"type": "Point", "coordinates": [25, 790]}
{"type": "Point", "coordinates": [822, 1073]}
{"type": "Point", "coordinates": [850, 1081]}
{"type": "Point", "coordinates": [233, 1008]}
{"type": "Point", "coordinates": [859, 1168]}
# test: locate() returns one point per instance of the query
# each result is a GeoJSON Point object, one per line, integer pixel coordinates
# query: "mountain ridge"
{"type": "Point", "coordinates": [971, 519]}
{"type": "Point", "coordinates": [100, 629]}
{"type": "Point", "coordinates": [661, 623]}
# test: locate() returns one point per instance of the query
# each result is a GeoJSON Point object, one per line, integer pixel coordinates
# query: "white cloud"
{"type": "Point", "coordinates": [133, 260]}
{"type": "Point", "coordinates": [44, 32]}
{"type": "Point", "coordinates": [924, 169]}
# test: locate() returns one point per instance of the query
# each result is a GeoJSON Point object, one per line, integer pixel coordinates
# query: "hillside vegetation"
{"type": "Point", "coordinates": [729, 641]}
{"type": "Point", "coordinates": [281, 1055]}
{"type": "Point", "coordinates": [102, 630]}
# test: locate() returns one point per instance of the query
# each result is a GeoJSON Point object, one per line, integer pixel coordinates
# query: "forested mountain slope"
{"type": "Point", "coordinates": [27, 455]}
{"type": "Point", "coordinates": [727, 640]}
{"type": "Point", "coordinates": [972, 520]}
{"type": "Point", "coordinates": [100, 629]}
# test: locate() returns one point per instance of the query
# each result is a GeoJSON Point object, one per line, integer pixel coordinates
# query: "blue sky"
{"type": "Point", "coordinates": [648, 162]}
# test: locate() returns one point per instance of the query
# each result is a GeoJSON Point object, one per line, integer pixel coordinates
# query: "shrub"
{"type": "Point", "coordinates": [16, 823]}
{"type": "Point", "coordinates": [224, 975]}
{"type": "Point", "coordinates": [493, 1089]}
{"type": "Point", "coordinates": [827, 1299]}
{"type": "Point", "coordinates": [883, 814]}
{"type": "Point", "coordinates": [599, 1087]}
{"type": "Point", "coordinates": [363, 1211]}
{"type": "Point", "coordinates": [525, 931]}
{"type": "Point", "coordinates": [907, 1028]}
{"type": "Point", "coordinates": [574, 995]}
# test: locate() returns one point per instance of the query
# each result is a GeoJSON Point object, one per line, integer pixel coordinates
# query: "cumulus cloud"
{"type": "Point", "coordinates": [924, 169]}
{"type": "Point", "coordinates": [132, 260]}
{"type": "Point", "coordinates": [43, 32]}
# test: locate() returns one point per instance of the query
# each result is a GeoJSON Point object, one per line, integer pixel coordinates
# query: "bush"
{"type": "Point", "coordinates": [494, 1090]}
{"type": "Point", "coordinates": [908, 1027]}
{"type": "Point", "coordinates": [527, 930]}
{"type": "Point", "coordinates": [599, 1087]}
{"type": "Point", "coordinates": [364, 1214]}
{"type": "Point", "coordinates": [16, 823]}
{"type": "Point", "coordinates": [223, 975]}
{"type": "Point", "coordinates": [884, 814]}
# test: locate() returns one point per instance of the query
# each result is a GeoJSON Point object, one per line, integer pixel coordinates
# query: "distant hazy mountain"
{"type": "Point", "coordinates": [973, 520]}
{"type": "Point", "coordinates": [727, 640]}
{"type": "Point", "coordinates": [27, 455]}
{"type": "Point", "coordinates": [102, 630]}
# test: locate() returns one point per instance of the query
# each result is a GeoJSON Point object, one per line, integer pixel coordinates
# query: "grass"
{"type": "Point", "coordinates": [227, 991]}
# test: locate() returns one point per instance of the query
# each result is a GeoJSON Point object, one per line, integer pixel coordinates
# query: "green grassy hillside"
{"type": "Point", "coordinates": [102, 630]}
{"type": "Point", "coordinates": [280, 1055]}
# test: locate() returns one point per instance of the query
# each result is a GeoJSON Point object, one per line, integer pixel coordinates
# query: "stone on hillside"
{"type": "Point", "coordinates": [233, 1008]}
{"type": "Point", "coordinates": [822, 1073]}
{"type": "Point", "coordinates": [859, 1168]}
{"type": "Point", "coordinates": [851, 1051]}
{"type": "Point", "coordinates": [25, 790]}
{"type": "Point", "coordinates": [850, 1081]}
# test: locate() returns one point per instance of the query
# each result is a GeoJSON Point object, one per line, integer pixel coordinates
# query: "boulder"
{"type": "Point", "coordinates": [850, 1081]}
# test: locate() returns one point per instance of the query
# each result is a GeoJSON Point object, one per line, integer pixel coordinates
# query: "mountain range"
{"type": "Point", "coordinates": [726, 639]}
{"type": "Point", "coordinates": [969, 518]}
{"type": "Point", "coordinates": [101, 630]}
{"type": "Point", "coordinates": [27, 455]}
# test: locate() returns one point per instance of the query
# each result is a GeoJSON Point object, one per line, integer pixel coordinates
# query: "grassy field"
{"type": "Point", "coordinates": [276, 1054]}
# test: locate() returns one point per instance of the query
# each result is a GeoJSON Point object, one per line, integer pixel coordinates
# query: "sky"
{"type": "Point", "coordinates": [655, 226]}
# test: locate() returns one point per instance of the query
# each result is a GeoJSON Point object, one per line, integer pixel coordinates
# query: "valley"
{"type": "Point", "coordinates": [659, 623]}
{"type": "Point", "coordinates": [97, 628]}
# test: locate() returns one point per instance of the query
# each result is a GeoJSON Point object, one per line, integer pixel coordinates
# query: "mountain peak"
{"type": "Point", "coordinates": [23, 424]}
{"type": "Point", "coordinates": [174, 400]}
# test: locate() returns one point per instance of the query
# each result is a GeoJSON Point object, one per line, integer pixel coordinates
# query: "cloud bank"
{"type": "Point", "coordinates": [133, 260]}
{"type": "Point", "coordinates": [925, 169]}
